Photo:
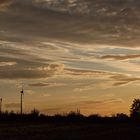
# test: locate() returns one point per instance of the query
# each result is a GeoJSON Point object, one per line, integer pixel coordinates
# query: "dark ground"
{"type": "Point", "coordinates": [69, 131]}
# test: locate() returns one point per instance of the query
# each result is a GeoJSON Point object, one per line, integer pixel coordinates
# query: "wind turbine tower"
{"type": "Point", "coordinates": [21, 103]}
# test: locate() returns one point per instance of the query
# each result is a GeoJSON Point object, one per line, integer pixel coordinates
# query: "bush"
{"type": "Point", "coordinates": [35, 112]}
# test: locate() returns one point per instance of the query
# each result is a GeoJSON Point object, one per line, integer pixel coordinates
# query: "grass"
{"type": "Point", "coordinates": [69, 131]}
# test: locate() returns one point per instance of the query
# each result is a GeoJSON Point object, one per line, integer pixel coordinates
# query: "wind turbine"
{"type": "Point", "coordinates": [21, 103]}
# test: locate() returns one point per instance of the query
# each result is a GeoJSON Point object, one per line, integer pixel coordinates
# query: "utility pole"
{"type": "Point", "coordinates": [0, 105]}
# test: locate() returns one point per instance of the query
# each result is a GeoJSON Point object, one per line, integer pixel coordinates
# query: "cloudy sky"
{"type": "Point", "coordinates": [70, 54]}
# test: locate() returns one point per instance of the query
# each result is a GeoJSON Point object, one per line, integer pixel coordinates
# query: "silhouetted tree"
{"type": "Point", "coordinates": [121, 115]}
{"type": "Point", "coordinates": [135, 109]}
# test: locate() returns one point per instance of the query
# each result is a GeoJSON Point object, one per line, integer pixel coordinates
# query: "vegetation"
{"type": "Point", "coordinates": [72, 116]}
{"type": "Point", "coordinates": [135, 109]}
{"type": "Point", "coordinates": [70, 126]}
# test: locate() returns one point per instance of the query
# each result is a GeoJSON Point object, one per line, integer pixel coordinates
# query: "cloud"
{"type": "Point", "coordinates": [104, 22]}
{"type": "Point", "coordinates": [106, 75]}
{"type": "Point", "coordinates": [121, 77]}
{"type": "Point", "coordinates": [2, 64]}
{"type": "Point", "coordinates": [4, 4]}
{"type": "Point", "coordinates": [12, 105]}
{"type": "Point", "coordinates": [98, 85]}
{"type": "Point", "coordinates": [120, 57]}
{"type": "Point", "coordinates": [15, 73]}
{"type": "Point", "coordinates": [112, 100]}
{"type": "Point", "coordinates": [77, 72]}
{"type": "Point", "coordinates": [84, 88]}
{"type": "Point", "coordinates": [27, 72]}
{"type": "Point", "coordinates": [46, 95]}
{"type": "Point", "coordinates": [29, 92]}
{"type": "Point", "coordinates": [123, 80]}
{"type": "Point", "coordinates": [113, 80]}
{"type": "Point", "coordinates": [126, 66]}
{"type": "Point", "coordinates": [121, 83]}
{"type": "Point", "coordinates": [4, 1]}
{"type": "Point", "coordinates": [47, 84]}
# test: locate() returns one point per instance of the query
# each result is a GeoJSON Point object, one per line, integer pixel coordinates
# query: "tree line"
{"type": "Point", "coordinates": [74, 116]}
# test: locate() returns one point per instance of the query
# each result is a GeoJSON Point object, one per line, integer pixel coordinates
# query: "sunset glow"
{"type": "Point", "coordinates": [69, 55]}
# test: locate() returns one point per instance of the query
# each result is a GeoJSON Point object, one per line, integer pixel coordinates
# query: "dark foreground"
{"type": "Point", "coordinates": [69, 131]}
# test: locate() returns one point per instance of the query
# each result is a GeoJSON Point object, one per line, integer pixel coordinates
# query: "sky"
{"type": "Point", "coordinates": [69, 55]}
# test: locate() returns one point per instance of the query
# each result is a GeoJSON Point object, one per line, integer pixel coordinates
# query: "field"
{"type": "Point", "coordinates": [69, 131]}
